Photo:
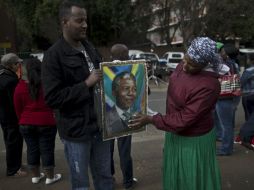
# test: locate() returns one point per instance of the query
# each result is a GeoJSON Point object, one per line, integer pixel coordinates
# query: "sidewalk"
{"type": "Point", "coordinates": [147, 148]}
{"type": "Point", "coordinates": [147, 154]}
{"type": "Point", "coordinates": [236, 170]}
{"type": "Point", "coordinates": [161, 87]}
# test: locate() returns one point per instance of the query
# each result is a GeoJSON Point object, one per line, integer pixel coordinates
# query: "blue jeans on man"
{"type": "Point", "coordinates": [94, 153]}
{"type": "Point", "coordinates": [225, 122]}
{"type": "Point", "coordinates": [124, 150]}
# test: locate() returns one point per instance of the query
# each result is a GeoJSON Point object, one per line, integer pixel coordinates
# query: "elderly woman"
{"type": "Point", "coordinates": [189, 151]}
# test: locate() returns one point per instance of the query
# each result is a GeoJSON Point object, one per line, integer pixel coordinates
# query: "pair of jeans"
{"type": "Point", "coordinates": [225, 123]}
{"type": "Point", "coordinates": [247, 129]}
{"type": "Point", "coordinates": [124, 150]}
{"type": "Point", "coordinates": [94, 153]}
{"type": "Point", "coordinates": [248, 105]}
{"type": "Point", "coordinates": [14, 146]}
{"type": "Point", "coordinates": [40, 142]}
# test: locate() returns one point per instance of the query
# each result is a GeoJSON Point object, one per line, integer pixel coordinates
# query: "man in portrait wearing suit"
{"type": "Point", "coordinates": [124, 91]}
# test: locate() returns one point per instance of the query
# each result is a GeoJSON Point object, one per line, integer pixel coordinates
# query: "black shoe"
{"type": "Point", "coordinates": [19, 173]}
{"type": "Point", "coordinates": [219, 153]}
{"type": "Point", "coordinates": [132, 185]}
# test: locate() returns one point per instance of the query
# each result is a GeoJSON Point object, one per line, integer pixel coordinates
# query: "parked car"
{"type": "Point", "coordinates": [155, 66]}
{"type": "Point", "coordinates": [152, 59]}
{"type": "Point", "coordinates": [173, 58]}
{"type": "Point", "coordinates": [133, 52]}
{"type": "Point", "coordinates": [149, 57]}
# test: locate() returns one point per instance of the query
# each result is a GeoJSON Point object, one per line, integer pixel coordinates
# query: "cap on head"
{"type": "Point", "coordinates": [203, 51]}
{"type": "Point", "coordinates": [10, 59]}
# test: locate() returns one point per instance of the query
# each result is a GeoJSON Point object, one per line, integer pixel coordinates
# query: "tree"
{"type": "Point", "coordinates": [190, 14]}
{"type": "Point", "coordinates": [116, 20]}
{"type": "Point", "coordinates": [46, 24]}
{"type": "Point", "coordinates": [230, 18]}
{"type": "Point", "coordinates": [108, 21]}
{"type": "Point", "coordinates": [183, 16]}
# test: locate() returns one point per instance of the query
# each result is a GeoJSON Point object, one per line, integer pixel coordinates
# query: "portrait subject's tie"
{"type": "Point", "coordinates": [127, 116]}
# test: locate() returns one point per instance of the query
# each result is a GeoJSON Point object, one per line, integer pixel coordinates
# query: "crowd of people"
{"type": "Point", "coordinates": [39, 99]}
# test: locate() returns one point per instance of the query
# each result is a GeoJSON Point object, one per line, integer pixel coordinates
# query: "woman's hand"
{"type": "Point", "coordinates": [139, 121]}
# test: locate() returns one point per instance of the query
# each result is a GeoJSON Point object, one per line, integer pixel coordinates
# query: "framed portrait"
{"type": "Point", "coordinates": [124, 94]}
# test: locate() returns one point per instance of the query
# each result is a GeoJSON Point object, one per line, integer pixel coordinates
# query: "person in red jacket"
{"type": "Point", "coordinates": [190, 150]}
{"type": "Point", "coordinates": [37, 122]}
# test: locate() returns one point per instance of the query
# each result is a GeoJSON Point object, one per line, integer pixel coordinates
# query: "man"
{"type": "Point", "coordinates": [70, 77]}
{"type": "Point", "coordinates": [246, 135]}
{"type": "Point", "coordinates": [124, 91]}
{"type": "Point", "coordinates": [9, 71]}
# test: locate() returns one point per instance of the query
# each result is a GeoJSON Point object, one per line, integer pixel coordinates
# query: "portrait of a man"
{"type": "Point", "coordinates": [124, 96]}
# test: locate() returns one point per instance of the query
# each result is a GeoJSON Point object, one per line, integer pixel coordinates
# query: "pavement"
{"type": "Point", "coordinates": [147, 147]}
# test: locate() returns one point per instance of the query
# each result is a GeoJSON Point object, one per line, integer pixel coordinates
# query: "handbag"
{"type": "Point", "coordinates": [230, 85]}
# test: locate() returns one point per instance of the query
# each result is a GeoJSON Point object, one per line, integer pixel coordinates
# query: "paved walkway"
{"type": "Point", "coordinates": [236, 170]}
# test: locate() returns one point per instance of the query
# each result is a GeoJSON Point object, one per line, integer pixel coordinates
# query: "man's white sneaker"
{"type": "Point", "coordinates": [37, 179]}
{"type": "Point", "coordinates": [56, 178]}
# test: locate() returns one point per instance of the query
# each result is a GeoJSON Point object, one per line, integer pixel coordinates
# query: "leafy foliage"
{"type": "Point", "coordinates": [231, 18]}
{"type": "Point", "coordinates": [215, 18]}
{"type": "Point", "coordinates": [108, 21]}
{"type": "Point", "coordinates": [127, 21]}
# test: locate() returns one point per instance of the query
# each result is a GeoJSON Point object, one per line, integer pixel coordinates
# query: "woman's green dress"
{"type": "Point", "coordinates": [190, 163]}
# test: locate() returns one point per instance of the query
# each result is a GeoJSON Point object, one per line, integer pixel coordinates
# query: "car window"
{"type": "Point", "coordinates": [165, 56]}
{"type": "Point", "coordinates": [149, 56]}
{"type": "Point", "coordinates": [176, 55]}
{"type": "Point", "coordinates": [174, 60]}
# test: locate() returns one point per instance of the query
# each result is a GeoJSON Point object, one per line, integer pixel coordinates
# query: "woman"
{"type": "Point", "coordinates": [37, 123]}
{"type": "Point", "coordinates": [189, 151]}
{"type": "Point", "coordinates": [224, 117]}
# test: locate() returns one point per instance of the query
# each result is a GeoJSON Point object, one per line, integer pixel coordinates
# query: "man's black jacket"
{"type": "Point", "coordinates": [64, 72]}
{"type": "Point", "coordinates": [8, 82]}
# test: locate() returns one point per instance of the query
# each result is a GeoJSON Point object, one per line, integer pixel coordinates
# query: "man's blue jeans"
{"type": "Point", "coordinates": [225, 122]}
{"type": "Point", "coordinates": [94, 153]}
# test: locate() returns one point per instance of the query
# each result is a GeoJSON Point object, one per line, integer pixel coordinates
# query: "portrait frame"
{"type": "Point", "coordinates": [113, 125]}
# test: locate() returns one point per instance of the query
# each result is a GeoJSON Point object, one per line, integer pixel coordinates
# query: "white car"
{"type": "Point", "coordinates": [173, 58]}
{"type": "Point", "coordinates": [133, 52]}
